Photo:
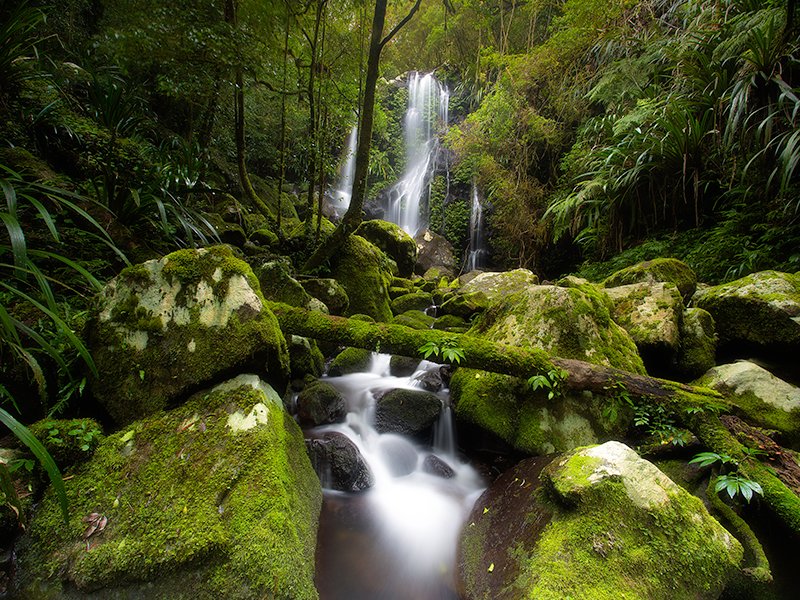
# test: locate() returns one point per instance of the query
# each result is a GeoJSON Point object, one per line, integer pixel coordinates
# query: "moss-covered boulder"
{"type": "Point", "coordinates": [264, 237]}
{"type": "Point", "coordinates": [528, 421]}
{"type": "Point", "coordinates": [464, 305]}
{"type": "Point", "coordinates": [394, 241]}
{"type": "Point", "coordinates": [566, 322]}
{"type": "Point", "coordinates": [305, 357]}
{"type": "Point", "coordinates": [329, 292]}
{"type": "Point", "coordinates": [651, 313]}
{"type": "Point", "coordinates": [339, 463]}
{"type": "Point", "coordinates": [229, 233]}
{"type": "Point", "coordinates": [320, 404]}
{"type": "Point", "coordinates": [168, 326]}
{"type": "Point", "coordinates": [408, 412]}
{"type": "Point", "coordinates": [762, 309]}
{"type": "Point", "coordinates": [497, 286]}
{"type": "Point", "coordinates": [664, 270]}
{"type": "Point", "coordinates": [433, 250]}
{"type": "Point", "coordinates": [350, 360]}
{"type": "Point", "coordinates": [278, 285]}
{"type": "Point", "coordinates": [416, 319]}
{"type": "Point", "coordinates": [214, 499]}
{"type": "Point", "coordinates": [413, 301]}
{"type": "Point", "coordinates": [365, 274]}
{"type": "Point", "coordinates": [452, 323]}
{"type": "Point", "coordinates": [759, 397]}
{"type": "Point", "coordinates": [403, 366]}
{"type": "Point", "coordinates": [595, 524]}
{"type": "Point", "coordinates": [698, 343]}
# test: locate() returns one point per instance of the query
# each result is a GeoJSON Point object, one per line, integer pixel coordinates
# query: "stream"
{"type": "Point", "coordinates": [397, 540]}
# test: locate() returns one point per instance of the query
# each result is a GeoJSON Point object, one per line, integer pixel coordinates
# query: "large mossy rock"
{"type": "Point", "coordinates": [698, 343]}
{"type": "Point", "coordinates": [762, 309]}
{"type": "Point", "coordinates": [759, 397]}
{"type": "Point", "coordinates": [394, 241]}
{"type": "Point", "coordinates": [651, 313]}
{"type": "Point", "coordinates": [408, 412]}
{"type": "Point", "coordinates": [572, 322]}
{"type": "Point", "coordinates": [498, 286]}
{"type": "Point", "coordinates": [350, 360]}
{"type": "Point", "coordinates": [320, 404]}
{"type": "Point", "coordinates": [568, 322]}
{"type": "Point", "coordinates": [365, 274]}
{"type": "Point", "coordinates": [214, 499]}
{"type": "Point", "coordinates": [278, 285]}
{"type": "Point", "coordinates": [329, 292]}
{"type": "Point", "coordinates": [665, 270]}
{"type": "Point", "coordinates": [596, 524]}
{"type": "Point", "coordinates": [169, 326]}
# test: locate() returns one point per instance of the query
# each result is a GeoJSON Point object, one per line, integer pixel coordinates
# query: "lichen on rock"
{"type": "Point", "coordinates": [657, 270]}
{"type": "Point", "coordinates": [165, 327]}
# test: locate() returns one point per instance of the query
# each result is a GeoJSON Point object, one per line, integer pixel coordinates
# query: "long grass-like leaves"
{"type": "Point", "coordinates": [24, 435]}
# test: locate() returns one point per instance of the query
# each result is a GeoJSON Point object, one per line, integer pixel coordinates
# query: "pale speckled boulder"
{"type": "Point", "coordinates": [166, 327]}
{"type": "Point", "coordinates": [213, 499]}
{"type": "Point", "coordinates": [497, 286]}
{"type": "Point", "coordinates": [596, 523]}
{"type": "Point", "coordinates": [762, 309]}
{"type": "Point", "coordinates": [657, 270]}
{"type": "Point", "coordinates": [651, 313]}
{"type": "Point", "coordinates": [759, 397]}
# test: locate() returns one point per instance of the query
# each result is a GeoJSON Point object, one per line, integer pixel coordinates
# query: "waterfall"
{"type": "Point", "coordinates": [344, 186]}
{"type": "Point", "coordinates": [427, 114]}
{"type": "Point", "coordinates": [477, 252]}
{"type": "Point", "coordinates": [396, 540]}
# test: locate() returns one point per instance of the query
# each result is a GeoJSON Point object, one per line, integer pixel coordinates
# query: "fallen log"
{"type": "Point", "coordinates": [696, 408]}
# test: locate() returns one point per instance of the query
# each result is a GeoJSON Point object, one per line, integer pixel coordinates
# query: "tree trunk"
{"type": "Point", "coordinates": [696, 407]}
{"type": "Point", "coordinates": [353, 217]}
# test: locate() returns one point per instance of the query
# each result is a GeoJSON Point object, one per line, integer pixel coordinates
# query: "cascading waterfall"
{"type": "Point", "coordinates": [426, 117]}
{"type": "Point", "coordinates": [344, 186]}
{"type": "Point", "coordinates": [477, 250]}
{"type": "Point", "coordinates": [397, 540]}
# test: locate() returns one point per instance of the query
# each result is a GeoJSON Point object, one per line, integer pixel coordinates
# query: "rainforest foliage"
{"type": "Point", "coordinates": [597, 130]}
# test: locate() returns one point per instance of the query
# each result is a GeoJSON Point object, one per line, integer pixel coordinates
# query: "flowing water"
{"type": "Point", "coordinates": [344, 186]}
{"type": "Point", "coordinates": [426, 117]}
{"type": "Point", "coordinates": [397, 540]}
{"type": "Point", "coordinates": [477, 243]}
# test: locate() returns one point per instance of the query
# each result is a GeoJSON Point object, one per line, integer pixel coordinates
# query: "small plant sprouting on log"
{"type": "Point", "coordinates": [734, 483]}
{"type": "Point", "coordinates": [618, 399]}
{"type": "Point", "coordinates": [657, 421]}
{"type": "Point", "coordinates": [551, 381]}
{"type": "Point", "coordinates": [448, 350]}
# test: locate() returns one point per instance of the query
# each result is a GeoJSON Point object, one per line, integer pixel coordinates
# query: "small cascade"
{"type": "Point", "coordinates": [344, 186]}
{"type": "Point", "coordinates": [426, 118]}
{"type": "Point", "coordinates": [477, 250]}
{"type": "Point", "coordinates": [396, 540]}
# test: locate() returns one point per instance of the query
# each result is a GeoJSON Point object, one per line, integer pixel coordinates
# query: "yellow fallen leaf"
{"type": "Point", "coordinates": [485, 509]}
{"type": "Point", "coordinates": [491, 567]}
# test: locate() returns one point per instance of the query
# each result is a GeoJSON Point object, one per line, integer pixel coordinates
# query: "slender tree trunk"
{"type": "Point", "coordinates": [249, 192]}
{"type": "Point", "coordinates": [353, 217]}
{"type": "Point", "coordinates": [313, 124]}
{"type": "Point", "coordinates": [282, 175]}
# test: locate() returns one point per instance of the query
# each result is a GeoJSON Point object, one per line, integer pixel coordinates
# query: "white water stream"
{"type": "Point", "coordinates": [400, 536]}
{"type": "Point", "coordinates": [426, 117]}
{"type": "Point", "coordinates": [477, 251]}
{"type": "Point", "coordinates": [344, 186]}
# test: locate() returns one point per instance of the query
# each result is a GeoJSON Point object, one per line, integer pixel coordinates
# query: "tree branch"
{"type": "Point", "coordinates": [400, 25]}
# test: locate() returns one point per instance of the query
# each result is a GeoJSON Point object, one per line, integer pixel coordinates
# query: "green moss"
{"type": "Point", "coordinates": [68, 440]}
{"type": "Point", "coordinates": [414, 301]}
{"type": "Point", "coordinates": [392, 240]}
{"type": "Point", "coordinates": [416, 319]}
{"type": "Point", "coordinates": [657, 270]}
{"type": "Point", "coordinates": [362, 269]}
{"type": "Point", "coordinates": [350, 360]}
{"type": "Point", "coordinates": [181, 491]}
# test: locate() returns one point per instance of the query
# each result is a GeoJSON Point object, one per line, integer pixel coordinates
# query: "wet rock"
{"type": "Point", "coordinates": [430, 381]}
{"type": "Point", "coordinates": [338, 463]}
{"type": "Point", "coordinates": [434, 465]}
{"type": "Point", "coordinates": [413, 301]}
{"type": "Point", "coordinates": [403, 366]}
{"type": "Point", "coordinates": [320, 404]}
{"type": "Point", "coordinates": [409, 412]}
{"type": "Point", "coordinates": [166, 326]}
{"type": "Point", "coordinates": [350, 360]}
{"type": "Point", "coordinates": [305, 357]}
{"type": "Point", "coordinates": [599, 522]}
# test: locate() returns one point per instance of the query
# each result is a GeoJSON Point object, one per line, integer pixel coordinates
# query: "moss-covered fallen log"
{"type": "Point", "coordinates": [697, 407]}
